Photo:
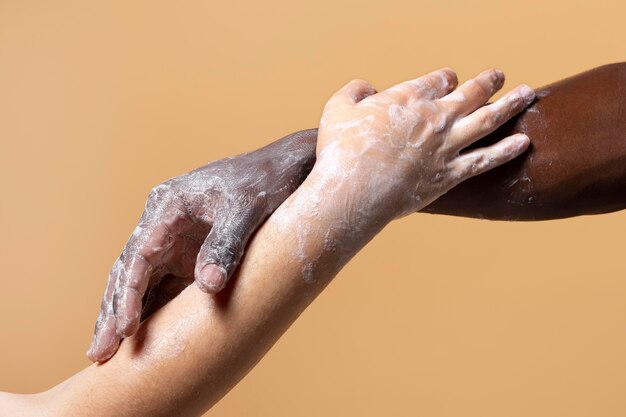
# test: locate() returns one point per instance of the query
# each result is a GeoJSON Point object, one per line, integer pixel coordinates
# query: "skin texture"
{"type": "Point", "coordinates": [222, 203]}
{"type": "Point", "coordinates": [576, 165]}
{"type": "Point", "coordinates": [415, 131]}
{"type": "Point", "coordinates": [205, 344]}
{"type": "Point", "coordinates": [197, 225]}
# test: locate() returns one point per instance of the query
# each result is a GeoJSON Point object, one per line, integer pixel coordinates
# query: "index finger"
{"type": "Point", "coordinates": [430, 86]}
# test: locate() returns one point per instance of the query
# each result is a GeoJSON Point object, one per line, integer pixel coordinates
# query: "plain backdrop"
{"type": "Point", "coordinates": [438, 316]}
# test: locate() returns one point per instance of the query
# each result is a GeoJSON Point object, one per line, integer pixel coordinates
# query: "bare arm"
{"type": "Point", "coordinates": [576, 165]}
{"type": "Point", "coordinates": [196, 226]}
{"type": "Point", "coordinates": [191, 352]}
{"type": "Point", "coordinates": [402, 143]}
{"type": "Point", "coordinates": [577, 161]}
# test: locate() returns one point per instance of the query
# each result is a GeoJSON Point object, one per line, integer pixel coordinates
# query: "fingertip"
{"type": "Point", "coordinates": [105, 355]}
{"type": "Point", "coordinates": [494, 77]}
{"type": "Point", "coordinates": [211, 279]}
{"type": "Point", "coordinates": [527, 93]}
{"type": "Point", "coordinates": [522, 141]}
{"type": "Point", "coordinates": [453, 80]}
{"type": "Point", "coordinates": [104, 344]}
{"type": "Point", "coordinates": [499, 74]}
{"type": "Point", "coordinates": [498, 78]}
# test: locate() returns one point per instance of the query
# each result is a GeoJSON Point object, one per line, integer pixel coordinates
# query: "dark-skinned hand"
{"type": "Point", "coordinates": [196, 226]}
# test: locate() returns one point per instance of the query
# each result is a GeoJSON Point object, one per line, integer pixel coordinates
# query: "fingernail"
{"type": "Point", "coordinates": [527, 93]}
{"type": "Point", "coordinates": [212, 278]}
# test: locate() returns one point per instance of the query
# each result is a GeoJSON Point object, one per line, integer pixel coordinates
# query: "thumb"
{"type": "Point", "coordinates": [351, 93]}
{"type": "Point", "coordinates": [223, 248]}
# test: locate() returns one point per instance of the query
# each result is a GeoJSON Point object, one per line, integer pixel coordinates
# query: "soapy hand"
{"type": "Point", "coordinates": [196, 226]}
{"type": "Point", "coordinates": [396, 151]}
{"type": "Point", "coordinates": [390, 153]}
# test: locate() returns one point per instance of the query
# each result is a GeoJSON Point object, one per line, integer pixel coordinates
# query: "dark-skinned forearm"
{"type": "Point", "coordinates": [576, 163]}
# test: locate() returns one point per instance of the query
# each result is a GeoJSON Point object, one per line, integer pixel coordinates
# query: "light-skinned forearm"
{"type": "Point", "coordinates": [575, 166]}
{"type": "Point", "coordinates": [191, 352]}
{"type": "Point", "coordinates": [380, 156]}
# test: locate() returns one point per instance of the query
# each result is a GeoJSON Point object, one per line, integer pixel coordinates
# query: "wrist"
{"type": "Point", "coordinates": [368, 196]}
{"type": "Point", "coordinates": [324, 226]}
{"type": "Point", "coordinates": [350, 207]}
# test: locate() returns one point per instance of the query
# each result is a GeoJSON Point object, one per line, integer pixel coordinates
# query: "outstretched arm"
{"type": "Point", "coordinates": [380, 156]}
{"type": "Point", "coordinates": [576, 165]}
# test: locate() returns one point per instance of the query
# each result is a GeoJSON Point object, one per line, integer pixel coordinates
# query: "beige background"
{"type": "Point", "coordinates": [439, 316]}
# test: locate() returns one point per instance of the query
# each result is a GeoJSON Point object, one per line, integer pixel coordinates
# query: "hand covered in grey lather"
{"type": "Point", "coordinates": [196, 226]}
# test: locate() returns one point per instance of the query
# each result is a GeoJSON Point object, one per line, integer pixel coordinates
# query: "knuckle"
{"type": "Point", "coordinates": [477, 164]}
{"type": "Point", "coordinates": [227, 245]}
{"type": "Point", "coordinates": [486, 119]}
{"type": "Point", "coordinates": [161, 191]}
{"type": "Point", "coordinates": [173, 216]}
{"type": "Point", "coordinates": [490, 117]}
{"type": "Point", "coordinates": [440, 123]}
{"type": "Point", "coordinates": [223, 254]}
{"type": "Point", "coordinates": [495, 117]}
{"type": "Point", "coordinates": [405, 90]}
{"type": "Point", "coordinates": [515, 102]}
{"type": "Point", "coordinates": [456, 173]}
{"type": "Point", "coordinates": [153, 194]}
{"type": "Point", "coordinates": [156, 193]}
